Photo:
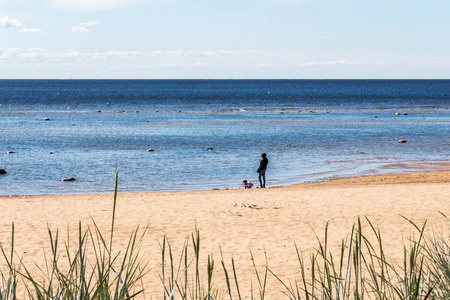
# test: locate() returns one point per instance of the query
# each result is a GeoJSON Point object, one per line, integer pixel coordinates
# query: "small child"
{"type": "Point", "coordinates": [247, 184]}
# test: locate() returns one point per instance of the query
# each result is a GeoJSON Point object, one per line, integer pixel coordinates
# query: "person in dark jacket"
{"type": "Point", "coordinates": [262, 170]}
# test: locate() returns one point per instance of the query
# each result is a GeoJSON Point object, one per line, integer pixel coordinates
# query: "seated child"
{"type": "Point", "coordinates": [247, 184]}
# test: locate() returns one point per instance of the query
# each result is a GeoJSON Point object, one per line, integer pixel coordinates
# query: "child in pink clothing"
{"type": "Point", "coordinates": [247, 184]}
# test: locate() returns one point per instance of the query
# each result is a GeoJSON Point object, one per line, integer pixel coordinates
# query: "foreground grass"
{"type": "Point", "coordinates": [92, 269]}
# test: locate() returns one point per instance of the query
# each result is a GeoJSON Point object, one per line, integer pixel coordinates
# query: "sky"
{"type": "Point", "coordinates": [225, 39]}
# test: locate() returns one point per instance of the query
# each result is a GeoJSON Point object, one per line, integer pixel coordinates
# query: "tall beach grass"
{"type": "Point", "coordinates": [93, 269]}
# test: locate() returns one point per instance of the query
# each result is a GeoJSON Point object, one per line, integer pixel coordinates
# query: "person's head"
{"type": "Point", "coordinates": [263, 155]}
{"type": "Point", "coordinates": [244, 181]}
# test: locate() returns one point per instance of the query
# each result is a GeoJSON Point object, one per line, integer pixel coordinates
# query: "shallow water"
{"type": "Point", "coordinates": [311, 130]}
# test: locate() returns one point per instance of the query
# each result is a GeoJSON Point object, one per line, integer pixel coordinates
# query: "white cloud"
{"type": "Point", "coordinates": [340, 63]}
{"type": "Point", "coordinates": [82, 28]}
{"type": "Point", "coordinates": [9, 53]}
{"type": "Point", "coordinates": [240, 52]}
{"type": "Point", "coordinates": [35, 49]}
{"type": "Point", "coordinates": [90, 23]}
{"type": "Point", "coordinates": [112, 54]}
{"type": "Point", "coordinates": [183, 53]}
{"type": "Point", "coordinates": [67, 56]}
{"type": "Point", "coordinates": [264, 65]}
{"type": "Point", "coordinates": [6, 22]}
{"type": "Point", "coordinates": [201, 53]}
{"type": "Point", "coordinates": [31, 30]}
{"type": "Point", "coordinates": [197, 64]}
{"type": "Point", "coordinates": [79, 29]}
{"type": "Point", "coordinates": [92, 5]}
{"type": "Point", "coordinates": [38, 54]}
{"type": "Point", "coordinates": [183, 66]}
{"type": "Point", "coordinates": [430, 62]}
{"type": "Point", "coordinates": [33, 54]}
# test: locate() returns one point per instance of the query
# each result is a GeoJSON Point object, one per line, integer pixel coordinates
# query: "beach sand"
{"type": "Point", "coordinates": [267, 221]}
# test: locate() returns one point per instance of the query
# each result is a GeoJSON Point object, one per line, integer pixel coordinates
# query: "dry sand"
{"type": "Point", "coordinates": [270, 220]}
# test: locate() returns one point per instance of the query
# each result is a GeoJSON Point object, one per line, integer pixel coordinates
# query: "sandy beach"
{"type": "Point", "coordinates": [267, 221]}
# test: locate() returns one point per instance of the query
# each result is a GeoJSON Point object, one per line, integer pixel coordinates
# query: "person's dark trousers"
{"type": "Point", "coordinates": [262, 178]}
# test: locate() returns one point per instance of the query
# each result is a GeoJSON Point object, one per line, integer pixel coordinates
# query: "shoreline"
{"type": "Point", "coordinates": [423, 177]}
{"type": "Point", "coordinates": [435, 173]}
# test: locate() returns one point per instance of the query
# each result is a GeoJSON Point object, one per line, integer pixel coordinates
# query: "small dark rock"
{"type": "Point", "coordinates": [405, 114]}
{"type": "Point", "coordinates": [10, 152]}
{"type": "Point", "coordinates": [50, 152]}
{"type": "Point", "coordinates": [150, 150]}
{"type": "Point", "coordinates": [402, 141]}
{"type": "Point", "coordinates": [45, 119]}
{"type": "Point", "coordinates": [99, 111]}
{"type": "Point", "coordinates": [209, 148]}
{"type": "Point", "coordinates": [2, 171]}
{"type": "Point", "coordinates": [67, 179]}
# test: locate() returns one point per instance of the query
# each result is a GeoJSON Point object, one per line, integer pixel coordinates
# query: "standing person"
{"type": "Point", "coordinates": [262, 170]}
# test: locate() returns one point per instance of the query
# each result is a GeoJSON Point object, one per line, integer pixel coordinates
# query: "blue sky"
{"type": "Point", "coordinates": [154, 39]}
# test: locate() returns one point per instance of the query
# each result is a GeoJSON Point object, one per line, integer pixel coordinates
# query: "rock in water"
{"type": "Point", "coordinates": [2, 171]}
{"type": "Point", "coordinates": [67, 179]}
{"type": "Point", "coordinates": [402, 141]}
{"type": "Point", "coordinates": [150, 150]}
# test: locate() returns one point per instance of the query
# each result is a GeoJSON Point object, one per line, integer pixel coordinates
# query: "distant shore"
{"type": "Point", "coordinates": [271, 220]}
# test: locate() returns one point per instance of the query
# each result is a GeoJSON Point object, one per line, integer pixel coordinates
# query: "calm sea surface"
{"type": "Point", "coordinates": [310, 129]}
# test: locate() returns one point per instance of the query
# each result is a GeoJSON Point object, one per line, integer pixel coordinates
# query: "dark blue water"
{"type": "Point", "coordinates": [310, 129]}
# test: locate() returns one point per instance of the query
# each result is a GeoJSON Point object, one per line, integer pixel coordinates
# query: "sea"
{"type": "Point", "coordinates": [209, 134]}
